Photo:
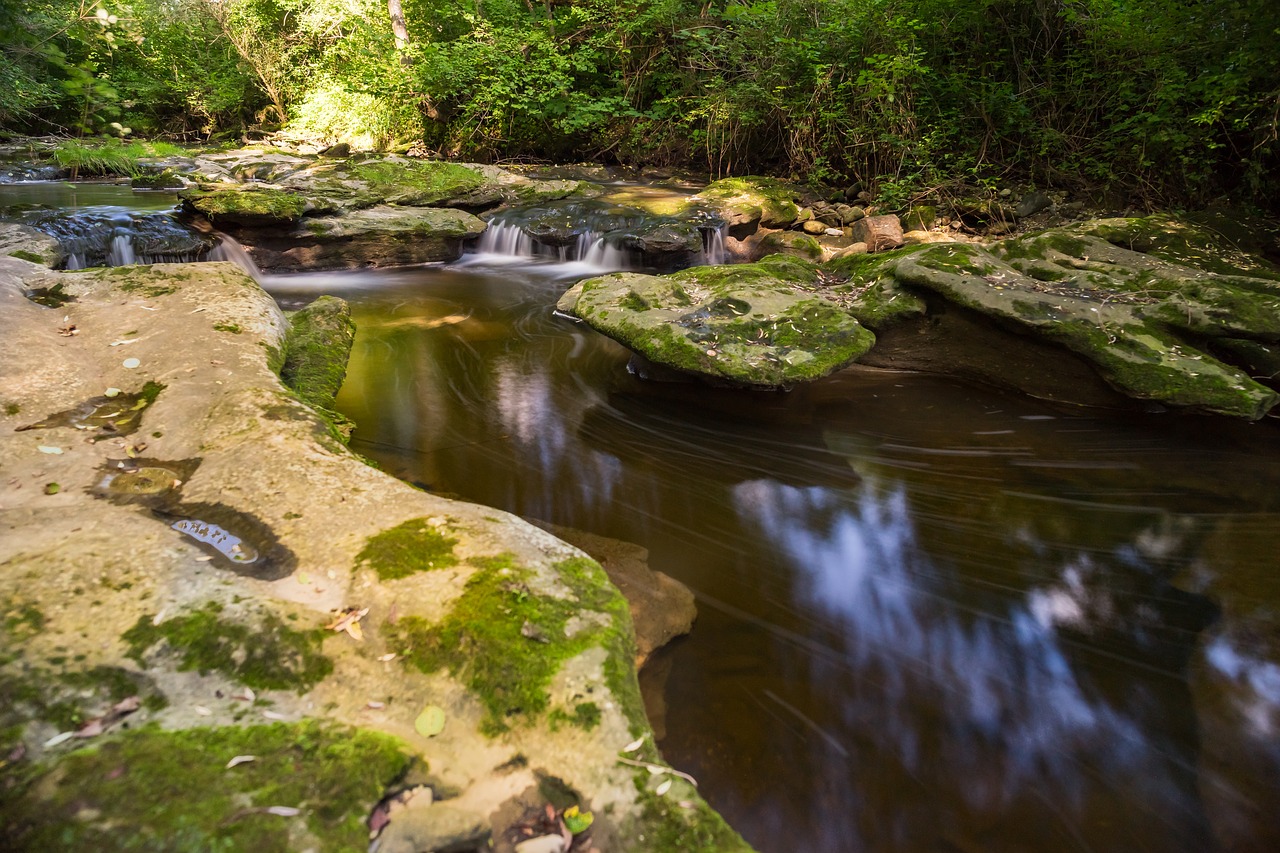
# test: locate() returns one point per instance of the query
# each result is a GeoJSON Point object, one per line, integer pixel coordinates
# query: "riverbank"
{"type": "Point", "coordinates": [209, 599]}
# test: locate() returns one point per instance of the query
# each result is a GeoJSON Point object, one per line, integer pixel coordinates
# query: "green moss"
{"type": "Point", "coordinates": [266, 654]}
{"type": "Point", "coordinates": [316, 349]}
{"type": "Point", "coordinates": [69, 699]}
{"type": "Point", "coordinates": [12, 409]}
{"type": "Point", "coordinates": [414, 546]}
{"type": "Point", "coordinates": [22, 620]}
{"type": "Point", "coordinates": [233, 328]}
{"type": "Point", "coordinates": [171, 790]}
{"type": "Point", "coordinates": [24, 255]}
{"type": "Point", "coordinates": [506, 641]}
{"type": "Point", "coordinates": [411, 183]}
{"type": "Point", "coordinates": [245, 205]}
{"type": "Point", "coordinates": [665, 827]}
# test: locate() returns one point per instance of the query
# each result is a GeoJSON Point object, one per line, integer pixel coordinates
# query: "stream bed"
{"type": "Point", "coordinates": [931, 617]}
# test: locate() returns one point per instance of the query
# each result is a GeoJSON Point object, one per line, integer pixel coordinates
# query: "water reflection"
{"type": "Point", "coordinates": [931, 618]}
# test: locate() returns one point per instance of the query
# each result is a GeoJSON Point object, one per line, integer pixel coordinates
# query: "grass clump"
{"type": "Point", "coordinates": [171, 790]}
{"type": "Point", "coordinates": [268, 655]}
{"type": "Point", "coordinates": [414, 546]}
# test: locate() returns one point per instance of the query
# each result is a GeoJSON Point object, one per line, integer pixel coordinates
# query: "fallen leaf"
{"type": "Point", "coordinates": [130, 363]}
{"type": "Point", "coordinates": [68, 331]}
{"type": "Point", "coordinates": [54, 451]}
{"type": "Point", "coordinates": [63, 737]}
{"type": "Point", "coordinates": [663, 788]}
{"type": "Point", "coordinates": [348, 621]}
{"type": "Point", "coordinates": [273, 715]}
{"type": "Point", "coordinates": [241, 759]}
{"type": "Point", "coordinates": [93, 728]}
{"type": "Point", "coordinates": [245, 695]}
{"type": "Point", "coordinates": [354, 630]}
{"type": "Point", "coordinates": [388, 656]}
{"type": "Point", "coordinates": [283, 811]}
{"type": "Point", "coordinates": [112, 392]}
{"type": "Point", "coordinates": [430, 722]}
{"type": "Point", "coordinates": [52, 488]}
{"type": "Point", "coordinates": [123, 342]}
{"type": "Point", "coordinates": [202, 710]}
{"type": "Point", "coordinates": [634, 745]}
{"type": "Point", "coordinates": [577, 821]}
{"type": "Point", "coordinates": [375, 706]}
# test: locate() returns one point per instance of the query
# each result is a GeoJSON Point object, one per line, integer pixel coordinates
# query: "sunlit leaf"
{"type": "Point", "coordinates": [430, 722]}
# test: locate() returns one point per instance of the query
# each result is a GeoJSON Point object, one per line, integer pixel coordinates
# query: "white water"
{"type": "Point", "coordinates": [229, 249]}
{"type": "Point", "coordinates": [505, 244]}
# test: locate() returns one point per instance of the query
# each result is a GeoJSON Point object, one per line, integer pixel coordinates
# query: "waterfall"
{"type": "Point", "coordinates": [229, 249]}
{"type": "Point", "coordinates": [115, 237]}
{"type": "Point", "coordinates": [713, 251]}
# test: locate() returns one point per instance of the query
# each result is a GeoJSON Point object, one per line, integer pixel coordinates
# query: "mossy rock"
{"type": "Point", "coordinates": [792, 243]}
{"type": "Point", "coordinates": [357, 184]}
{"type": "Point", "coordinates": [1145, 323]}
{"type": "Point", "coordinates": [744, 202]}
{"type": "Point", "coordinates": [251, 207]}
{"type": "Point", "coordinates": [316, 349]}
{"type": "Point", "coordinates": [767, 324]}
{"type": "Point", "coordinates": [151, 789]}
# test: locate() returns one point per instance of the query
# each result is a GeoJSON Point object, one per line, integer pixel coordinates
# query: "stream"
{"type": "Point", "coordinates": [932, 617]}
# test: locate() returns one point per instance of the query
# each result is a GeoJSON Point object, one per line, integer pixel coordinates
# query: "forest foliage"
{"type": "Point", "coordinates": [1168, 101]}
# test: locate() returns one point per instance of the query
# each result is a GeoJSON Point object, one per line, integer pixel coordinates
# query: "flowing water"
{"type": "Point", "coordinates": [931, 617]}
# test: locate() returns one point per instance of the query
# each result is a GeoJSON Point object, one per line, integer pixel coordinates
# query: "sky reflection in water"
{"type": "Point", "coordinates": [931, 618]}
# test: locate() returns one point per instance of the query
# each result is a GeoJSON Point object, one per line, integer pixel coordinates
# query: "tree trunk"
{"type": "Point", "coordinates": [398, 26]}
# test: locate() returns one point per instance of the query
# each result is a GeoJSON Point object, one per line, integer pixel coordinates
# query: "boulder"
{"type": "Point", "coordinates": [767, 324]}
{"type": "Point", "coordinates": [1154, 308]}
{"type": "Point", "coordinates": [251, 207]}
{"type": "Point", "coordinates": [815, 227]}
{"type": "Point", "coordinates": [378, 236]}
{"type": "Point", "coordinates": [795, 243]}
{"type": "Point", "coordinates": [747, 203]}
{"type": "Point", "coordinates": [211, 601]}
{"type": "Point", "coordinates": [878, 232]}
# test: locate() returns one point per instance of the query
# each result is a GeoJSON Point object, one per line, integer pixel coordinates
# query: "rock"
{"type": "Point", "coordinates": [852, 249]}
{"type": "Point", "coordinates": [815, 227]}
{"type": "Point", "coordinates": [238, 533]}
{"type": "Point", "coordinates": [378, 236]}
{"type": "Point", "coordinates": [878, 232]}
{"type": "Point", "coordinates": [340, 149]}
{"type": "Point", "coordinates": [165, 180]}
{"type": "Point", "coordinates": [253, 207]}
{"type": "Point", "coordinates": [978, 212]}
{"type": "Point", "coordinates": [316, 349]}
{"type": "Point", "coordinates": [662, 608]}
{"type": "Point", "coordinates": [850, 214]}
{"type": "Point", "coordinates": [794, 243]}
{"type": "Point", "coordinates": [542, 844]}
{"type": "Point", "coordinates": [805, 215]}
{"type": "Point", "coordinates": [1032, 203]}
{"type": "Point", "coordinates": [28, 244]}
{"type": "Point", "coordinates": [747, 203]}
{"type": "Point", "coordinates": [438, 827]}
{"type": "Point", "coordinates": [920, 218]}
{"type": "Point", "coordinates": [1155, 308]}
{"type": "Point", "coordinates": [767, 324]}
{"type": "Point", "coordinates": [661, 243]}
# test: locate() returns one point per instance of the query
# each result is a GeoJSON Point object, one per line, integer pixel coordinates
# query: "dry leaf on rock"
{"type": "Point", "coordinates": [430, 722]}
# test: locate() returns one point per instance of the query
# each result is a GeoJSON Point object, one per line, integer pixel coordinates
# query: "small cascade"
{"type": "Point", "coordinates": [230, 250]}
{"type": "Point", "coordinates": [600, 253]}
{"type": "Point", "coordinates": [713, 251]}
{"type": "Point", "coordinates": [503, 238]}
{"type": "Point", "coordinates": [115, 237]}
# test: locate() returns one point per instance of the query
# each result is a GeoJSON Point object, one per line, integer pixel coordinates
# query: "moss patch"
{"type": "Point", "coordinates": [266, 654]}
{"type": "Point", "coordinates": [315, 353]}
{"type": "Point", "coordinates": [414, 546]}
{"type": "Point", "coordinates": [665, 827]}
{"type": "Point", "coordinates": [506, 642]}
{"type": "Point", "coordinates": [239, 205]}
{"type": "Point", "coordinates": [158, 790]}
{"type": "Point", "coordinates": [24, 255]}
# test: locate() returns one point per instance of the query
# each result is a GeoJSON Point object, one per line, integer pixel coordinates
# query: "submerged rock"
{"type": "Point", "coordinates": [766, 324]}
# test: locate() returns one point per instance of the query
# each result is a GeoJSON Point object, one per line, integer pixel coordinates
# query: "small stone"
{"type": "Point", "coordinates": [814, 226]}
{"type": "Point", "coordinates": [542, 844]}
{"type": "Point", "coordinates": [130, 363]}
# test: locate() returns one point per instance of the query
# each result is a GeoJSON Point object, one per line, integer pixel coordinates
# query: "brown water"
{"type": "Point", "coordinates": [931, 618]}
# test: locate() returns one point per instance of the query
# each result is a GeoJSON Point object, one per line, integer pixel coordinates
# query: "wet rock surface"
{"type": "Point", "coordinates": [765, 324]}
{"type": "Point", "coordinates": [273, 705]}
{"type": "Point", "coordinates": [1150, 311]}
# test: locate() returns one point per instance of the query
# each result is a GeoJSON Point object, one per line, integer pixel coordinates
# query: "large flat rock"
{"type": "Point", "coordinates": [181, 540]}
